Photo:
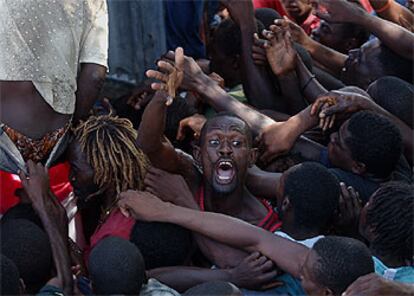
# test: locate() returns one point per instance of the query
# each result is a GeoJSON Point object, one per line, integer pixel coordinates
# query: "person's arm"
{"type": "Point", "coordinates": [253, 272]}
{"type": "Point", "coordinates": [257, 83]}
{"type": "Point", "coordinates": [54, 220]}
{"type": "Point", "coordinates": [338, 102]}
{"type": "Point", "coordinates": [90, 81]}
{"type": "Point", "coordinates": [392, 35]}
{"type": "Point", "coordinates": [287, 255]}
{"type": "Point", "coordinates": [262, 183]}
{"type": "Point", "coordinates": [332, 60]}
{"type": "Point", "coordinates": [392, 11]}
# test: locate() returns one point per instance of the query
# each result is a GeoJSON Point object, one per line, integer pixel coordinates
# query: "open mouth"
{"type": "Point", "coordinates": [225, 172]}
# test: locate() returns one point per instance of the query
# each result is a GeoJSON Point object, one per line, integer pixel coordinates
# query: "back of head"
{"type": "Point", "coordinates": [391, 216]}
{"type": "Point", "coordinates": [161, 244]}
{"type": "Point", "coordinates": [9, 277]}
{"type": "Point", "coordinates": [28, 247]}
{"type": "Point", "coordinates": [395, 65]}
{"type": "Point", "coordinates": [214, 288]}
{"type": "Point", "coordinates": [267, 16]}
{"type": "Point", "coordinates": [341, 261]}
{"type": "Point", "coordinates": [116, 267]}
{"type": "Point", "coordinates": [313, 192]}
{"type": "Point", "coordinates": [109, 144]}
{"type": "Point", "coordinates": [394, 95]}
{"type": "Point", "coordinates": [22, 211]}
{"type": "Point", "coordinates": [375, 141]}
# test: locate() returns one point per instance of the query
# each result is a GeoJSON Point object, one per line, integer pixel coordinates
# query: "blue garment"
{"type": "Point", "coordinates": [404, 274]}
{"type": "Point", "coordinates": [182, 26]}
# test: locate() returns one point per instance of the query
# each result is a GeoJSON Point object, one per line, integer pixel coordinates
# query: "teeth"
{"type": "Point", "coordinates": [223, 178]}
{"type": "Point", "coordinates": [228, 163]}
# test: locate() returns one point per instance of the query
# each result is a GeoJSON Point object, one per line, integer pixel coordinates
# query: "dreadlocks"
{"type": "Point", "coordinates": [109, 144]}
{"type": "Point", "coordinates": [391, 216]}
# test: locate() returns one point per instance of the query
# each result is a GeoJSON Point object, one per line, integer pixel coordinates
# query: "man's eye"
{"type": "Point", "coordinates": [214, 142]}
{"type": "Point", "coordinates": [236, 143]}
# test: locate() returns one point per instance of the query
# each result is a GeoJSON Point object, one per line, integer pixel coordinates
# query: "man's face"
{"type": "Point", "coordinates": [307, 275]}
{"type": "Point", "coordinates": [331, 35]}
{"type": "Point", "coordinates": [81, 173]}
{"type": "Point", "coordinates": [338, 152]}
{"type": "Point", "coordinates": [298, 9]}
{"type": "Point", "coordinates": [225, 66]}
{"type": "Point", "coordinates": [363, 65]}
{"type": "Point", "coordinates": [226, 154]}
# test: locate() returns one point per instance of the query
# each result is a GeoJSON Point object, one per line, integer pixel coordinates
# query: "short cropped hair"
{"type": "Point", "coordinates": [9, 277]}
{"type": "Point", "coordinates": [341, 261]}
{"type": "Point", "coordinates": [391, 216]}
{"type": "Point", "coordinates": [374, 141]}
{"type": "Point", "coordinates": [313, 192]}
{"type": "Point", "coordinates": [29, 248]}
{"type": "Point", "coordinates": [116, 266]}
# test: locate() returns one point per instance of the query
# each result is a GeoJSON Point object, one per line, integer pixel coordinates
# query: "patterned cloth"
{"type": "Point", "coordinates": [36, 150]}
{"type": "Point", "coordinates": [46, 41]}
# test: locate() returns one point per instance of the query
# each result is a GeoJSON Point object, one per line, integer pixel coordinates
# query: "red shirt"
{"type": "Point", "coordinates": [274, 4]}
{"type": "Point", "coordinates": [270, 222]}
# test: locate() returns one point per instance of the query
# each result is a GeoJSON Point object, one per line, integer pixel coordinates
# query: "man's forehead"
{"type": "Point", "coordinates": [226, 123]}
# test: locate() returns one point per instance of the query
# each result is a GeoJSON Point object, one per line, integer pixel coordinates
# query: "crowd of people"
{"type": "Point", "coordinates": [270, 154]}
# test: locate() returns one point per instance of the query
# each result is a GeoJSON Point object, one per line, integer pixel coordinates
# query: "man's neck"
{"type": "Point", "coordinates": [230, 204]}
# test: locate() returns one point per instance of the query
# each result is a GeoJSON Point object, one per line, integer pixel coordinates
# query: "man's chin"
{"type": "Point", "coordinates": [224, 189]}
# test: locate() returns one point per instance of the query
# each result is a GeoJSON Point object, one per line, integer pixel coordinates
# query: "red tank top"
{"type": "Point", "coordinates": [270, 222]}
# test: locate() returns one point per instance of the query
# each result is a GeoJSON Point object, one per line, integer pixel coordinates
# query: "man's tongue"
{"type": "Point", "coordinates": [225, 173]}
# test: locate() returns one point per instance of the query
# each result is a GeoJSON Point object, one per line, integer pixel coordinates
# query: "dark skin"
{"type": "Point", "coordinates": [299, 10]}
{"type": "Point", "coordinates": [22, 105]}
{"type": "Point", "coordinates": [54, 220]}
{"type": "Point", "coordinates": [290, 256]}
{"type": "Point", "coordinates": [256, 81]}
{"type": "Point", "coordinates": [224, 140]}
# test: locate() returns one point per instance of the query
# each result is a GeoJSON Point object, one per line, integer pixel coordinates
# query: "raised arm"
{"type": "Point", "coordinates": [287, 255]}
{"type": "Point", "coordinates": [397, 38]}
{"type": "Point", "coordinates": [256, 81]}
{"type": "Point", "coordinates": [90, 82]}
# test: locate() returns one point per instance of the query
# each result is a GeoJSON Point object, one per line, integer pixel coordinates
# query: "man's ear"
{"type": "Point", "coordinates": [197, 155]}
{"type": "Point", "coordinates": [358, 168]}
{"type": "Point", "coordinates": [254, 152]}
{"type": "Point", "coordinates": [286, 205]}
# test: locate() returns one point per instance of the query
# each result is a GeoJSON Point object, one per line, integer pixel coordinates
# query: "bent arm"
{"type": "Point", "coordinates": [395, 13]}
{"type": "Point", "coordinates": [288, 255]}
{"type": "Point", "coordinates": [90, 81]}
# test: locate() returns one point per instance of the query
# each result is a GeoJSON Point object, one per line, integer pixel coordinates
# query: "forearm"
{"type": "Point", "coordinates": [329, 58]}
{"type": "Point", "coordinates": [289, 256]}
{"type": "Point", "coordinates": [393, 12]}
{"type": "Point", "coordinates": [257, 83]}
{"type": "Point", "coordinates": [216, 97]}
{"type": "Point", "coordinates": [59, 244]}
{"type": "Point", "coordinates": [151, 128]}
{"type": "Point", "coordinates": [392, 35]}
{"type": "Point", "coordinates": [89, 85]}
{"type": "Point", "coordinates": [291, 92]}
{"type": "Point", "coordinates": [310, 86]}
{"type": "Point", "coordinates": [181, 278]}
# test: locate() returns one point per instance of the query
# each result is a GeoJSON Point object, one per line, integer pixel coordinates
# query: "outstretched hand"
{"type": "Point", "coordinates": [336, 103]}
{"type": "Point", "coordinates": [297, 33]}
{"type": "Point", "coordinates": [171, 75]}
{"type": "Point", "coordinates": [175, 70]}
{"type": "Point", "coordinates": [141, 205]}
{"type": "Point", "coordinates": [194, 123]}
{"type": "Point", "coordinates": [279, 49]}
{"type": "Point", "coordinates": [168, 187]}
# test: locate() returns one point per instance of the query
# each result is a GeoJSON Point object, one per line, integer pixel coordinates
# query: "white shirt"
{"type": "Point", "coordinates": [45, 41]}
{"type": "Point", "coordinates": [307, 242]}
